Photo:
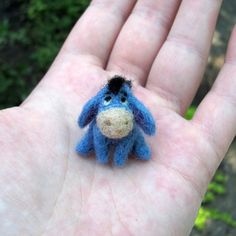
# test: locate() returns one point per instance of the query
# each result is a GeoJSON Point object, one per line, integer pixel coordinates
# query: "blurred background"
{"type": "Point", "coordinates": [32, 32]}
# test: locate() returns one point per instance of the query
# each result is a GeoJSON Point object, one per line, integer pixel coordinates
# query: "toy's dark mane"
{"type": "Point", "coordinates": [116, 82]}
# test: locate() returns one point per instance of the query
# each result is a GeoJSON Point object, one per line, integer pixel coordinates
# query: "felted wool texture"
{"type": "Point", "coordinates": [86, 145]}
{"type": "Point", "coordinates": [115, 96]}
{"type": "Point", "coordinates": [115, 123]}
{"type": "Point", "coordinates": [140, 148]}
{"type": "Point", "coordinates": [101, 145]}
{"type": "Point", "coordinates": [142, 116]}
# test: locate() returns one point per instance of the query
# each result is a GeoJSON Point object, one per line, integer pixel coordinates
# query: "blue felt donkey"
{"type": "Point", "coordinates": [115, 118]}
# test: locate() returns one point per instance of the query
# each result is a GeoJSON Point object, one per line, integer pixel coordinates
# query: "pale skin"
{"type": "Point", "coordinates": [47, 189]}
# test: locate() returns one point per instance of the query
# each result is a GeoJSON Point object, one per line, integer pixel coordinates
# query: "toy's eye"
{"type": "Point", "coordinates": [107, 100]}
{"type": "Point", "coordinates": [125, 94]}
{"type": "Point", "coordinates": [123, 99]}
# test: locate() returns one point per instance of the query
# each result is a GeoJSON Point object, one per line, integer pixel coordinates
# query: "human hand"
{"type": "Point", "coordinates": [47, 189]}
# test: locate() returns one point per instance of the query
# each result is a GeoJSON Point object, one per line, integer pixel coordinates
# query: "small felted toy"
{"type": "Point", "coordinates": [115, 116]}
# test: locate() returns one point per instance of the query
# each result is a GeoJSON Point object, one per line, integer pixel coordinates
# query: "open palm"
{"type": "Point", "coordinates": [47, 189]}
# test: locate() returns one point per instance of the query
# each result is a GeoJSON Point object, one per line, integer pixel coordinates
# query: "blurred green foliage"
{"type": "Point", "coordinates": [31, 34]}
{"type": "Point", "coordinates": [190, 112]}
{"type": "Point", "coordinates": [206, 214]}
{"type": "Point", "coordinates": [215, 189]}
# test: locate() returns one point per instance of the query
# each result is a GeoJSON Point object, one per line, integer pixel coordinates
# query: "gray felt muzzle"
{"type": "Point", "coordinates": [115, 123]}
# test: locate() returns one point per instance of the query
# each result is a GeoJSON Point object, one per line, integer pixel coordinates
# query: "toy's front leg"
{"type": "Point", "coordinates": [122, 151]}
{"type": "Point", "coordinates": [85, 146]}
{"type": "Point", "coordinates": [101, 146]}
{"type": "Point", "coordinates": [141, 150]}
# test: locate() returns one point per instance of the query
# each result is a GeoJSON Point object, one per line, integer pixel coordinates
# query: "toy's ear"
{"type": "Point", "coordinates": [142, 116]}
{"type": "Point", "coordinates": [89, 111]}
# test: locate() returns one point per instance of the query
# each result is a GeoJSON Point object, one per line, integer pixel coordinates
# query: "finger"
{"type": "Point", "coordinates": [178, 68]}
{"type": "Point", "coordinates": [141, 37]}
{"type": "Point", "coordinates": [94, 34]}
{"type": "Point", "coordinates": [216, 114]}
